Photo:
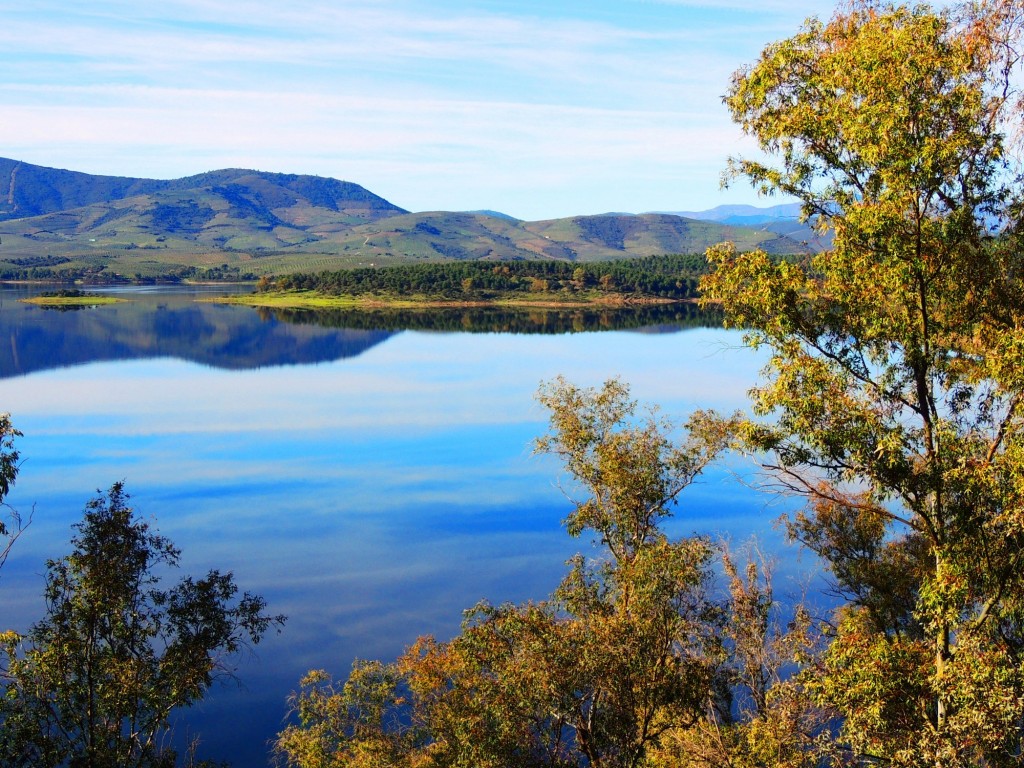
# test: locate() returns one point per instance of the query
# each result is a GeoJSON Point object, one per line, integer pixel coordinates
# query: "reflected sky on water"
{"type": "Point", "coordinates": [372, 490]}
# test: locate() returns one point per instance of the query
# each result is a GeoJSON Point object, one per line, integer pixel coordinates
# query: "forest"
{"type": "Point", "coordinates": [669, 277]}
{"type": "Point", "coordinates": [891, 410]}
{"type": "Point", "coordinates": [49, 268]}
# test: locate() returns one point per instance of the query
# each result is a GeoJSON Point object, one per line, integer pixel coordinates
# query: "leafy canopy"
{"type": "Point", "coordinates": [895, 386]}
{"type": "Point", "coordinates": [625, 654]}
{"type": "Point", "coordinates": [93, 684]}
{"type": "Point", "coordinates": [9, 458]}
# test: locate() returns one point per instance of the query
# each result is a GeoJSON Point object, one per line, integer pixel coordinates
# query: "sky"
{"type": "Point", "coordinates": [538, 109]}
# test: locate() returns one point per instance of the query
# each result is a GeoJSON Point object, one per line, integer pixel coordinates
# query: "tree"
{"type": "Point", "coordinates": [359, 725]}
{"type": "Point", "coordinates": [624, 653]}
{"type": "Point", "coordinates": [9, 458]}
{"type": "Point", "coordinates": [764, 713]}
{"type": "Point", "coordinates": [896, 383]}
{"type": "Point", "coordinates": [93, 684]}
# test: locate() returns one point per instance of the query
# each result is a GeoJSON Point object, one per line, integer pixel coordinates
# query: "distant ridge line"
{"type": "Point", "coordinates": [56, 221]}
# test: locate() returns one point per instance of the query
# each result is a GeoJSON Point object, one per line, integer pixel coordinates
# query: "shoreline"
{"type": "Point", "coordinates": [91, 300]}
{"type": "Point", "coordinates": [313, 300]}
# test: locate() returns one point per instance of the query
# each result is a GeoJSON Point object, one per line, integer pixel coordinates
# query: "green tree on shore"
{"type": "Point", "coordinates": [893, 404]}
{"type": "Point", "coordinates": [635, 660]}
{"type": "Point", "coordinates": [93, 684]}
{"type": "Point", "coordinates": [895, 389]}
{"type": "Point", "coordinates": [622, 654]}
{"type": "Point", "coordinates": [11, 524]}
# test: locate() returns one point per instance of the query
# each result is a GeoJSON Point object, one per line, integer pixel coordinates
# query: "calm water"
{"type": "Point", "coordinates": [370, 482]}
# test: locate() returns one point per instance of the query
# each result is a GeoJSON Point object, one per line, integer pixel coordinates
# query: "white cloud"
{"type": "Point", "coordinates": [438, 107]}
{"type": "Point", "coordinates": [382, 143]}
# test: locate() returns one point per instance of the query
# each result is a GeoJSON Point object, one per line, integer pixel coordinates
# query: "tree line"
{"type": "Point", "coordinates": [50, 268]}
{"type": "Point", "coordinates": [670, 277]}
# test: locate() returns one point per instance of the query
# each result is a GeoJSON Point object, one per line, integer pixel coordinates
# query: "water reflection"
{"type": "Point", "coordinates": [171, 323]}
{"type": "Point", "coordinates": [158, 324]}
{"type": "Point", "coordinates": [371, 498]}
{"type": "Point", "coordinates": [648, 318]}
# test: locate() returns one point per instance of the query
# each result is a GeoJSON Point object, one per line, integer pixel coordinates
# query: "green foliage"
{"type": "Point", "coordinates": [629, 663]}
{"type": "Point", "coordinates": [764, 713]}
{"type": "Point", "coordinates": [673, 277]}
{"type": "Point", "coordinates": [358, 725]}
{"type": "Point", "coordinates": [9, 461]}
{"type": "Point", "coordinates": [632, 472]}
{"type": "Point", "coordinates": [92, 685]}
{"type": "Point", "coordinates": [894, 389]}
{"type": "Point", "coordinates": [8, 456]}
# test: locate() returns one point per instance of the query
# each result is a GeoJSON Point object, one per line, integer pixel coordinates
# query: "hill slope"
{"type": "Point", "coordinates": [783, 220]}
{"type": "Point", "coordinates": [233, 221]}
{"type": "Point", "coordinates": [30, 190]}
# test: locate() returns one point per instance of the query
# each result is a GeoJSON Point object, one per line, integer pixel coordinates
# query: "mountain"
{"type": "Point", "coordinates": [783, 220]}
{"type": "Point", "coordinates": [745, 215]}
{"type": "Point", "coordinates": [245, 222]}
{"type": "Point", "coordinates": [612, 235]}
{"type": "Point", "coordinates": [496, 214]}
{"type": "Point", "coordinates": [31, 190]}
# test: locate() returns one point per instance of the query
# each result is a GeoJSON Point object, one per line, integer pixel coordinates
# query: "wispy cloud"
{"type": "Point", "coordinates": [558, 102]}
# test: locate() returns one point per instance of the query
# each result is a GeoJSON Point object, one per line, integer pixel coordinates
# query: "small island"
{"type": "Point", "coordinates": [527, 284]}
{"type": "Point", "coordinates": [71, 297]}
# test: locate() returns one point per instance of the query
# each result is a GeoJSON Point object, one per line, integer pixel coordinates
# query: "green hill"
{"type": "Point", "coordinates": [236, 222]}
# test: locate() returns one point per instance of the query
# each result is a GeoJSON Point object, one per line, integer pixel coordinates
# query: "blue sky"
{"type": "Point", "coordinates": [537, 109]}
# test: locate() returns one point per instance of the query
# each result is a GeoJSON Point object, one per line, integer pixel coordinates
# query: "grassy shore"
{"type": "Point", "coordinates": [85, 300]}
{"type": "Point", "coordinates": [315, 300]}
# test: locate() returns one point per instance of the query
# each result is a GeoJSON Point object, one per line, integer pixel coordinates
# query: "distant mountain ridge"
{"type": "Point", "coordinates": [745, 214]}
{"type": "Point", "coordinates": [259, 222]}
{"type": "Point", "coordinates": [783, 220]}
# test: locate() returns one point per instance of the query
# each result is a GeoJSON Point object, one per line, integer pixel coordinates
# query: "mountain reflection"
{"type": "Point", "coordinates": [171, 323]}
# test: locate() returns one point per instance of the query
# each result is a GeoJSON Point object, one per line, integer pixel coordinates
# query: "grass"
{"type": "Point", "coordinates": [84, 300]}
{"type": "Point", "coordinates": [315, 300]}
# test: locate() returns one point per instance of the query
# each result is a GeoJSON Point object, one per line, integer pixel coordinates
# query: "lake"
{"type": "Point", "coordinates": [371, 482]}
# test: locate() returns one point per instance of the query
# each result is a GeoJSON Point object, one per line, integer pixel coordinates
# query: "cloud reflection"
{"type": "Point", "coordinates": [372, 499]}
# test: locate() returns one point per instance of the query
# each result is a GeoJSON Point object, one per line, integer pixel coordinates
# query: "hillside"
{"type": "Point", "coordinates": [783, 220]}
{"type": "Point", "coordinates": [238, 222]}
